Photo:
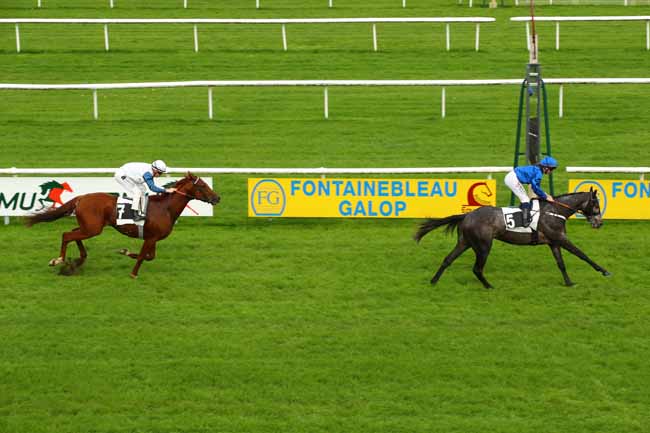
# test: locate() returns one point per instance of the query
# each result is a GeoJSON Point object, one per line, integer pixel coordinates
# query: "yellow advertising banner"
{"type": "Point", "coordinates": [367, 198]}
{"type": "Point", "coordinates": [619, 199]}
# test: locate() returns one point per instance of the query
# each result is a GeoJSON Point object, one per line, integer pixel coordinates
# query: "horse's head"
{"type": "Point", "coordinates": [590, 208]}
{"type": "Point", "coordinates": [194, 187]}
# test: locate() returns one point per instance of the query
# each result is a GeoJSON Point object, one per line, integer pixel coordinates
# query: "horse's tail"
{"type": "Point", "coordinates": [431, 224]}
{"type": "Point", "coordinates": [52, 214]}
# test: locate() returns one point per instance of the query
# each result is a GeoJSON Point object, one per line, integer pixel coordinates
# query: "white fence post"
{"type": "Point", "coordinates": [561, 104]}
{"type": "Point", "coordinates": [403, 3]}
{"type": "Point", "coordinates": [528, 36]}
{"type": "Point", "coordinates": [326, 103]}
{"type": "Point", "coordinates": [39, 3]}
{"type": "Point", "coordinates": [210, 111]}
{"type": "Point", "coordinates": [284, 37]}
{"type": "Point", "coordinates": [106, 46]}
{"type": "Point", "coordinates": [95, 108]}
{"type": "Point", "coordinates": [184, 4]}
{"type": "Point", "coordinates": [17, 38]}
{"type": "Point", "coordinates": [257, 4]}
{"type": "Point", "coordinates": [557, 35]}
{"type": "Point", "coordinates": [330, 3]}
{"type": "Point", "coordinates": [477, 35]}
{"type": "Point", "coordinates": [443, 103]}
{"type": "Point", "coordinates": [448, 37]}
{"type": "Point", "coordinates": [374, 36]}
{"type": "Point", "coordinates": [647, 35]}
{"type": "Point", "coordinates": [196, 39]}
{"type": "Point", "coordinates": [112, 4]}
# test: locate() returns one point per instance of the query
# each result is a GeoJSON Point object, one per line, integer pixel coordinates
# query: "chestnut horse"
{"type": "Point", "coordinates": [96, 210]}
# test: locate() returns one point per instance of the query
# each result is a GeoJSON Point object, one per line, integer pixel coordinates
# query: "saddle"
{"type": "Point", "coordinates": [125, 214]}
{"type": "Point", "coordinates": [514, 221]}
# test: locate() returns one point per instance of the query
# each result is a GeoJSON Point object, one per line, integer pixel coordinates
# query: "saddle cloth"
{"type": "Point", "coordinates": [125, 212]}
{"type": "Point", "coordinates": [514, 221]}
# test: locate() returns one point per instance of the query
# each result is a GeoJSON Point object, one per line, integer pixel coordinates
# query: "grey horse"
{"type": "Point", "coordinates": [480, 227]}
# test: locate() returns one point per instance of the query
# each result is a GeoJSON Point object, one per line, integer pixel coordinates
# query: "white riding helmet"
{"type": "Point", "coordinates": [159, 165]}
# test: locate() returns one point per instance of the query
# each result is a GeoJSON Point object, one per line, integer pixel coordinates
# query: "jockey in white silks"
{"type": "Point", "coordinates": [530, 175]}
{"type": "Point", "coordinates": [135, 177]}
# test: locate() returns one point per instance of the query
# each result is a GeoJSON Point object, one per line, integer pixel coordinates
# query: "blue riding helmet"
{"type": "Point", "coordinates": [548, 161]}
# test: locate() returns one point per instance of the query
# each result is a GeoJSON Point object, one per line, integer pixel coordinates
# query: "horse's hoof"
{"type": "Point", "coordinates": [56, 261]}
{"type": "Point", "coordinates": [134, 276]}
{"type": "Point", "coordinates": [123, 251]}
{"type": "Point", "coordinates": [570, 284]}
{"type": "Point", "coordinates": [606, 274]}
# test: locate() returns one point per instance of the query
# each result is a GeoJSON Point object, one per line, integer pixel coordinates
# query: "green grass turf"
{"type": "Point", "coordinates": [257, 325]}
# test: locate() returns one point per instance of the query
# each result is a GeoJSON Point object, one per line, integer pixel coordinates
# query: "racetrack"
{"type": "Point", "coordinates": [258, 325]}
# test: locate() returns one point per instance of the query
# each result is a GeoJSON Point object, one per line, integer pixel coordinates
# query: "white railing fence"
{"type": "Point", "coordinates": [641, 171]}
{"type": "Point", "coordinates": [277, 21]}
{"type": "Point", "coordinates": [569, 2]}
{"type": "Point", "coordinates": [112, 3]}
{"type": "Point", "coordinates": [321, 83]}
{"type": "Point", "coordinates": [558, 20]}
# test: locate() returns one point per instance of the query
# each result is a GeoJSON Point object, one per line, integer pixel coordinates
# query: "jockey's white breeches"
{"type": "Point", "coordinates": [517, 188]}
{"type": "Point", "coordinates": [136, 190]}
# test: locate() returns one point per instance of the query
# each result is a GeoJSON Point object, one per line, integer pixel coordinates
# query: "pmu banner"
{"type": "Point", "coordinates": [367, 198]}
{"type": "Point", "coordinates": [21, 196]}
{"type": "Point", "coordinates": [619, 199]}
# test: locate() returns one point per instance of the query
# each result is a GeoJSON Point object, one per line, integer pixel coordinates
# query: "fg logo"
{"type": "Point", "coordinates": [267, 198]}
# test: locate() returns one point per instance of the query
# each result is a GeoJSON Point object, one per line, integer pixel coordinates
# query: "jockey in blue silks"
{"type": "Point", "coordinates": [135, 177]}
{"type": "Point", "coordinates": [530, 175]}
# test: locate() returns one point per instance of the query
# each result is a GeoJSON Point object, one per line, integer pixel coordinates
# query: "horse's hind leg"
{"type": "Point", "coordinates": [459, 249]}
{"type": "Point", "coordinates": [482, 250]}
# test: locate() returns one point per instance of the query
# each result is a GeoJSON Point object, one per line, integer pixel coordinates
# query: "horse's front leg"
{"type": "Point", "coordinates": [567, 245]}
{"type": "Point", "coordinates": [557, 253]}
{"type": "Point", "coordinates": [148, 252]}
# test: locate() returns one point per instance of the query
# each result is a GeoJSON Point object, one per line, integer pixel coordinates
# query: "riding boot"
{"type": "Point", "coordinates": [525, 214]}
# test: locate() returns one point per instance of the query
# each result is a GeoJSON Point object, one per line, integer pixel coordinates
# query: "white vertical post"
{"type": "Point", "coordinates": [403, 3]}
{"type": "Point", "coordinates": [443, 103]}
{"type": "Point", "coordinates": [557, 35]}
{"type": "Point", "coordinates": [527, 35]}
{"type": "Point", "coordinates": [326, 103]}
{"type": "Point", "coordinates": [106, 46]}
{"type": "Point", "coordinates": [257, 4]}
{"type": "Point", "coordinates": [330, 3]}
{"type": "Point", "coordinates": [6, 220]}
{"type": "Point", "coordinates": [95, 109]}
{"type": "Point", "coordinates": [374, 36]}
{"type": "Point", "coordinates": [477, 35]}
{"type": "Point", "coordinates": [196, 39]}
{"type": "Point", "coordinates": [561, 104]}
{"type": "Point", "coordinates": [516, 2]}
{"type": "Point", "coordinates": [625, 3]}
{"type": "Point", "coordinates": [550, 2]}
{"type": "Point", "coordinates": [470, 3]}
{"type": "Point", "coordinates": [647, 35]}
{"type": "Point", "coordinates": [184, 4]}
{"type": "Point", "coordinates": [284, 37]}
{"type": "Point", "coordinates": [39, 3]}
{"type": "Point", "coordinates": [17, 38]}
{"type": "Point", "coordinates": [447, 36]}
{"type": "Point", "coordinates": [210, 111]}
{"type": "Point", "coordinates": [112, 4]}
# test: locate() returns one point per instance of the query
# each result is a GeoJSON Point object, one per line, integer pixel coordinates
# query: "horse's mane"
{"type": "Point", "coordinates": [189, 177]}
{"type": "Point", "coordinates": [569, 194]}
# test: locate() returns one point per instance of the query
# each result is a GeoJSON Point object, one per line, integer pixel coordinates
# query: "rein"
{"type": "Point", "coordinates": [566, 206]}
